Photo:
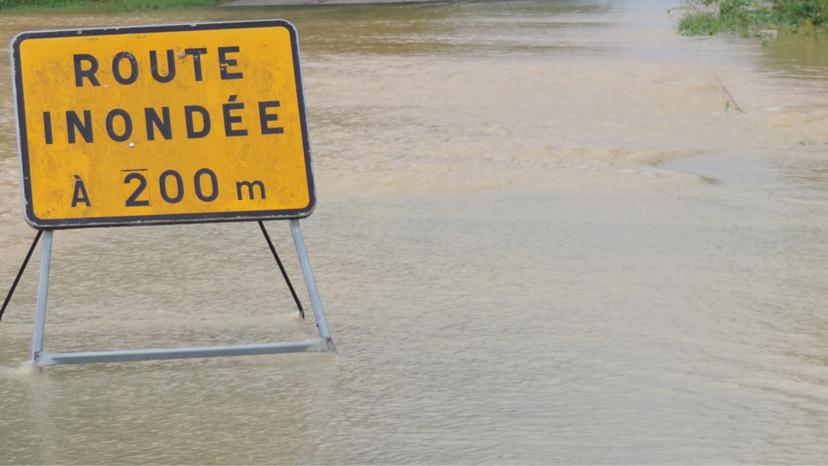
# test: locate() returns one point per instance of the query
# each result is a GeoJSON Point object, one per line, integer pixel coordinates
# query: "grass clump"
{"type": "Point", "coordinates": [748, 17]}
{"type": "Point", "coordinates": [702, 23]}
{"type": "Point", "coordinates": [794, 12]}
{"type": "Point", "coordinates": [100, 5]}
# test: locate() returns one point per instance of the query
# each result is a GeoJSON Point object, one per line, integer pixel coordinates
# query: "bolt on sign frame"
{"type": "Point", "coordinates": [167, 124]}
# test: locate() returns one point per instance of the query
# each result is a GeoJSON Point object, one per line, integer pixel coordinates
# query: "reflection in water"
{"type": "Point", "coordinates": [542, 236]}
{"type": "Point", "coordinates": [801, 55]}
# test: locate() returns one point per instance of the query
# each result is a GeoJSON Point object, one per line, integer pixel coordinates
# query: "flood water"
{"type": "Point", "coordinates": [543, 234]}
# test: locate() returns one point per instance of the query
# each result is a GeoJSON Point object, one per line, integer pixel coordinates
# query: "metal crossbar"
{"type": "Point", "coordinates": [51, 359]}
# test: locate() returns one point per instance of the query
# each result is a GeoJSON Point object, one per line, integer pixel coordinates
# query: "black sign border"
{"type": "Point", "coordinates": [165, 219]}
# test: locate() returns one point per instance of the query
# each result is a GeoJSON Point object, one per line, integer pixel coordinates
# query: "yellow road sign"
{"type": "Point", "coordinates": [161, 124]}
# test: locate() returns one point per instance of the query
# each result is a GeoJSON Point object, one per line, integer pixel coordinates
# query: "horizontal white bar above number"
{"type": "Point", "coordinates": [53, 359]}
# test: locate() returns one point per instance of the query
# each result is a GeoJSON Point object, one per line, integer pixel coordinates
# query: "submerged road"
{"type": "Point", "coordinates": [543, 235]}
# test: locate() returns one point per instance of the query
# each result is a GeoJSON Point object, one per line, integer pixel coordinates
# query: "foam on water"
{"type": "Point", "coordinates": [26, 371]}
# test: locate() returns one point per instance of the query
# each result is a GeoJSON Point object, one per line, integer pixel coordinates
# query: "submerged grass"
{"type": "Point", "coordinates": [701, 23]}
{"type": "Point", "coordinates": [100, 5]}
{"type": "Point", "coordinates": [749, 17]}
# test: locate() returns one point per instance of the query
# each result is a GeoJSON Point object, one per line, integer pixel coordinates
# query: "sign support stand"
{"type": "Point", "coordinates": [43, 358]}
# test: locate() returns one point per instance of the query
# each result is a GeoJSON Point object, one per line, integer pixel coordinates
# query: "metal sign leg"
{"type": "Point", "coordinates": [20, 273]}
{"type": "Point", "coordinates": [310, 282]}
{"type": "Point", "coordinates": [42, 295]}
{"type": "Point", "coordinates": [282, 269]}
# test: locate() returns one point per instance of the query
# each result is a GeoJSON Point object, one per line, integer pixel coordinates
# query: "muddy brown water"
{"type": "Point", "coordinates": [544, 234]}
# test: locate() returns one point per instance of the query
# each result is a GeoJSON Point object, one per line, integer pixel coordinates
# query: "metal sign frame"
{"type": "Point", "coordinates": [46, 358]}
{"type": "Point", "coordinates": [43, 358]}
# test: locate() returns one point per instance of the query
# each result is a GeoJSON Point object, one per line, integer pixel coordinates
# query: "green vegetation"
{"type": "Point", "coordinates": [100, 5]}
{"type": "Point", "coordinates": [749, 17]}
{"type": "Point", "coordinates": [699, 23]}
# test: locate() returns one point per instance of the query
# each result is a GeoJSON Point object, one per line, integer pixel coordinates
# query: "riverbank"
{"type": "Point", "coordinates": [255, 3]}
{"type": "Point", "coordinates": [100, 5]}
{"type": "Point", "coordinates": [750, 18]}
{"type": "Point", "coordinates": [141, 5]}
